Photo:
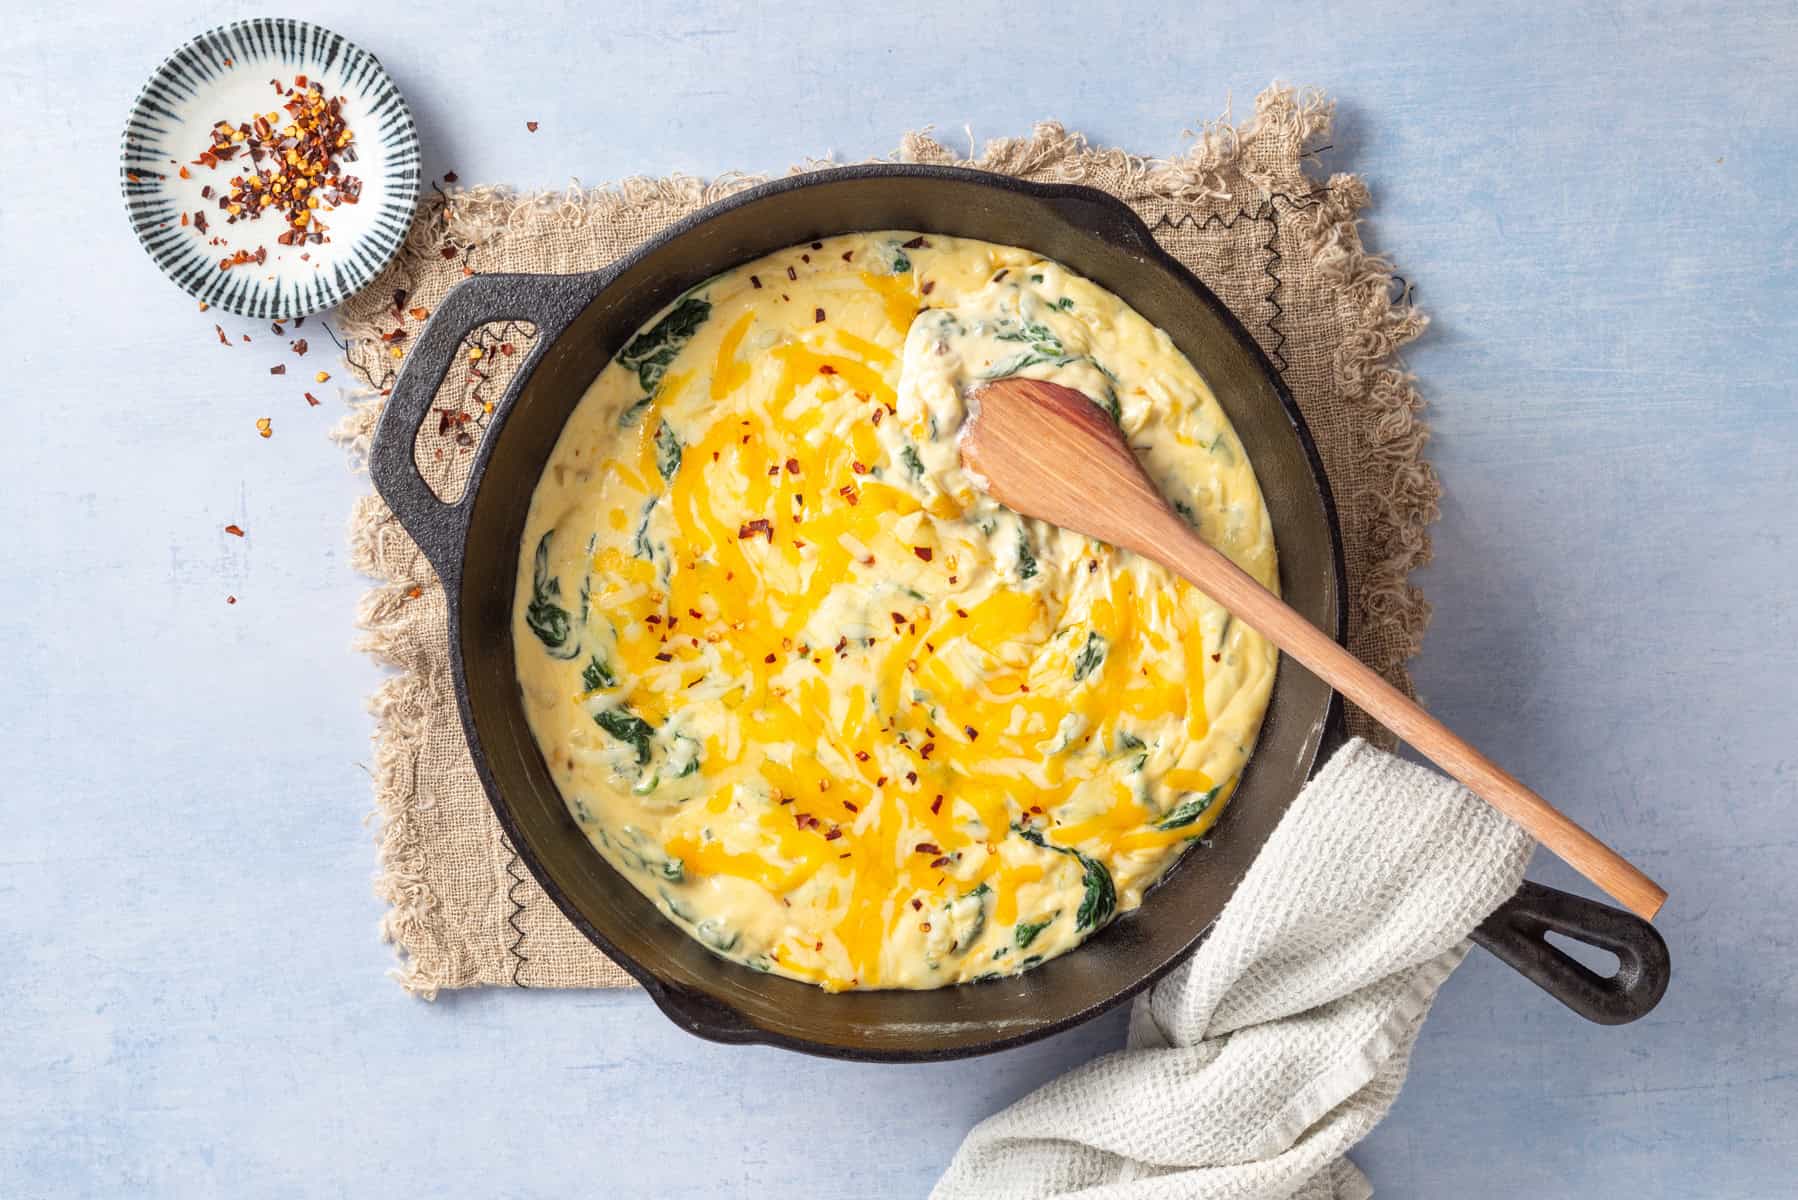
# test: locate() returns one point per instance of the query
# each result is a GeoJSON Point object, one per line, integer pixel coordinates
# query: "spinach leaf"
{"type": "Point", "coordinates": [547, 619]}
{"type": "Point", "coordinates": [1026, 931]}
{"type": "Point", "coordinates": [1189, 811]}
{"type": "Point", "coordinates": [629, 728]}
{"type": "Point", "coordinates": [1026, 560]}
{"type": "Point", "coordinates": [1065, 304]}
{"type": "Point", "coordinates": [1029, 358]}
{"type": "Point", "coordinates": [1127, 741]}
{"type": "Point", "coordinates": [901, 262]}
{"type": "Point", "coordinates": [640, 546]}
{"type": "Point", "coordinates": [668, 448]}
{"type": "Point", "coordinates": [908, 454]}
{"type": "Point", "coordinates": [629, 416]}
{"type": "Point", "coordinates": [1100, 901]}
{"type": "Point", "coordinates": [650, 352]}
{"type": "Point", "coordinates": [598, 674]}
{"type": "Point", "coordinates": [1090, 656]}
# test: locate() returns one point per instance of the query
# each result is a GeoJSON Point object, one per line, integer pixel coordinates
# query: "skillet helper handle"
{"type": "Point", "coordinates": [1516, 934]}
{"type": "Point", "coordinates": [549, 302]}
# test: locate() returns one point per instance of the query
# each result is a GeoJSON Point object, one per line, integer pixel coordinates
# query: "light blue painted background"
{"type": "Point", "coordinates": [1596, 201]}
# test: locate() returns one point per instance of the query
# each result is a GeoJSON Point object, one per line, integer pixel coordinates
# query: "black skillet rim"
{"type": "Point", "coordinates": [683, 1006]}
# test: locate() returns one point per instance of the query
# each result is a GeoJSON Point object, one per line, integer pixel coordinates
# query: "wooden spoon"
{"type": "Point", "coordinates": [1048, 452]}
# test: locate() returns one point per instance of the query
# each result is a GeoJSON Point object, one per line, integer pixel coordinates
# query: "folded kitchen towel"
{"type": "Point", "coordinates": [1252, 1069]}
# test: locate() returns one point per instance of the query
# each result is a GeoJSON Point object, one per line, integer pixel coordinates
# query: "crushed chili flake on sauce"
{"type": "Point", "coordinates": [923, 552]}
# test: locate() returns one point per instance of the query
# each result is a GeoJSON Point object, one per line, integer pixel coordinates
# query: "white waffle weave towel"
{"type": "Point", "coordinates": [1250, 1071]}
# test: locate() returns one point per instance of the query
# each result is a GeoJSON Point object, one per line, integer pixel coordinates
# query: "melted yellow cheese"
{"type": "Point", "coordinates": [838, 713]}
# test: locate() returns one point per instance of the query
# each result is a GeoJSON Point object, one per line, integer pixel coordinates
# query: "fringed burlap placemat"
{"type": "Point", "coordinates": [1278, 246]}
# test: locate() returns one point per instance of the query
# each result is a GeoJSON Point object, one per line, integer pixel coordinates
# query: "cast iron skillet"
{"type": "Point", "coordinates": [473, 544]}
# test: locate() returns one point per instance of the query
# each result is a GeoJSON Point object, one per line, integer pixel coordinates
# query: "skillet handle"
{"type": "Point", "coordinates": [1103, 214]}
{"type": "Point", "coordinates": [704, 1017]}
{"type": "Point", "coordinates": [551, 303]}
{"type": "Point", "coordinates": [1514, 933]}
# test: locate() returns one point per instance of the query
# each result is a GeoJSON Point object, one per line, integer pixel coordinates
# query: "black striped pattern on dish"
{"type": "Point", "coordinates": [155, 133]}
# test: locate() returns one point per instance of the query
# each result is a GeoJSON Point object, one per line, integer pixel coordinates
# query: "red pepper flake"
{"type": "Point", "coordinates": [930, 848]}
{"type": "Point", "coordinates": [755, 281]}
{"type": "Point", "coordinates": [531, 125]}
{"type": "Point", "coordinates": [792, 465]}
{"type": "Point", "coordinates": [185, 173]}
{"type": "Point", "coordinates": [940, 861]}
{"type": "Point", "coordinates": [936, 806]}
{"type": "Point", "coordinates": [230, 599]}
{"type": "Point", "coordinates": [1217, 658]}
{"type": "Point", "coordinates": [299, 346]}
{"type": "Point", "coordinates": [696, 614]}
{"type": "Point", "coordinates": [750, 528]}
{"type": "Point", "coordinates": [805, 258]}
{"type": "Point", "coordinates": [817, 315]}
{"type": "Point", "coordinates": [881, 782]}
{"type": "Point", "coordinates": [898, 618]}
{"type": "Point", "coordinates": [817, 245]}
{"type": "Point", "coordinates": [879, 413]}
{"type": "Point", "coordinates": [220, 330]}
{"type": "Point", "coordinates": [826, 368]}
{"type": "Point", "coordinates": [916, 243]}
{"type": "Point", "coordinates": [848, 493]}
{"type": "Point", "coordinates": [962, 613]}
{"type": "Point", "coordinates": [923, 552]}
{"type": "Point", "coordinates": [859, 467]}
{"type": "Point", "coordinates": [1003, 272]}
{"type": "Point", "coordinates": [448, 252]}
{"type": "Point", "coordinates": [911, 777]}
{"type": "Point", "coordinates": [973, 733]}
{"type": "Point", "coordinates": [414, 592]}
{"type": "Point", "coordinates": [234, 530]}
{"type": "Point", "coordinates": [927, 287]}
{"type": "Point", "coordinates": [278, 369]}
{"type": "Point", "coordinates": [916, 904]}
{"type": "Point", "coordinates": [311, 400]}
{"type": "Point", "coordinates": [832, 836]}
{"type": "Point", "coordinates": [792, 274]}
{"type": "Point", "coordinates": [505, 348]}
{"type": "Point", "coordinates": [1092, 564]}
{"type": "Point", "coordinates": [848, 256]}
{"type": "Point", "coordinates": [768, 658]}
{"type": "Point", "coordinates": [664, 657]}
{"type": "Point", "coordinates": [850, 805]}
{"type": "Point", "coordinates": [450, 177]}
{"type": "Point", "coordinates": [925, 749]}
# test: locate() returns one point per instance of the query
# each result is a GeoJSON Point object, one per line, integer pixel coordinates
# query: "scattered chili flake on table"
{"type": "Point", "coordinates": [234, 530]}
{"type": "Point", "coordinates": [414, 592]}
{"type": "Point", "coordinates": [265, 427]}
{"type": "Point", "coordinates": [311, 400]}
{"type": "Point", "coordinates": [294, 168]}
{"type": "Point", "coordinates": [449, 177]}
{"type": "Point", "coordinates": [230, 599]}
{"type": "Point", "coordinates": [220, 330]}
{"type": "Point", "coordinates": [298, 346]}
{"type": "Point", "coordinates": [278, 369]}
{"type": "Point", "coordinates": [531, 125]}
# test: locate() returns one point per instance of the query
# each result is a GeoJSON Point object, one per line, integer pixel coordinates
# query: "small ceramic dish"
{"type": "Point", "coordinates": [234, 74]}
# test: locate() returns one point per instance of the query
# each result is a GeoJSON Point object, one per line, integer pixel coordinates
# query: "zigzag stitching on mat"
{"type": "Point", "coordinates": [1267, 211]}
{"type": "Point", "coordinates": [514, 948]}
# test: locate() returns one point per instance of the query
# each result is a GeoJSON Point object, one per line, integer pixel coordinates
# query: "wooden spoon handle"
{"type": "Point", "coordinates": [1176, 547]}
